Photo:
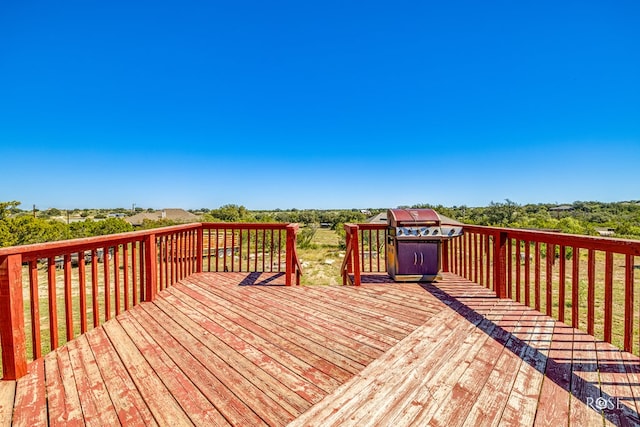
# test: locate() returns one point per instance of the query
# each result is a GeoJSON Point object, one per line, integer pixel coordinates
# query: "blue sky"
{"type": "Point", "coordinates": [289, 104]}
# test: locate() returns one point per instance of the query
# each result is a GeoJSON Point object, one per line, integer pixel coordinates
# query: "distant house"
{"type": "Point", "coordinates": [561, 209]}
{"type": "Point", "coordinates": [380, 218]}
{"type": "Point", "coordinates": [606, 232]}
{"type": "Point", "coordinates": [177, 215]}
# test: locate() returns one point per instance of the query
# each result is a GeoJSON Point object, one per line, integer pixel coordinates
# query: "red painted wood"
{"type": "Point", "coordinates": [518, 272]}
{"type": "Point", "coordinates": [562, 273]}
{"type": "Point", "coordinates": [500, 265]}
{"type": "Point", "coordinates": [30, 405]}
{"type": "Point", "coordinates": [476, 258]}
{"type": "Point", "coordinates": [622, 246]}
{"type": "Point", "coordinates": [52, 249]}
{"type": "Point", "coordinates": [628, 303]}
{"type": "Point", "coordinates": [510, 268]}
{"type": "Point", "coordinates": [591, 291]}
{"type": "Point", "coordinates": [106, 274]}
{"type": "Point", "coordinates": [150, 266]}
{"type": "Point", "coordinates": [36, 340]}
{"type": "Point", "coordinates": [141, 264]}
{"type": "Point", "coordinates": [162, 267]}
{"type": "Point", "coordinates": [82, 291]}
{"type": "Point", "coordinates": [129, 404]}
{"type": "Point", "coordinates": [199, 251]}
{"type": "Point", "coordinates": [134, 274]}
{"type": "Point", "coordinates": [68, 305]}
{"type": "Point", "coordinates": [549, 261]}
{"type": "Point", "coordinates": [536, 277]}
{"type": "Point", "coordinates": [527, 273]}
{"type": "Point", "coordinates": [12, 337]}
{"type": "Point", "coordinates": [125, 276]}
{"type": "Point", "coordinates": [481, 259]}
{"type": "Point", "coordinates": [53, 303]}
{"type": "Point", "coordinates": [608, 295]}
{"type": "Point", "coordinates": [575, 289]}
{"type": "Point", "coordinates": [489, 262]}
{"type": "Point", "coordinates": [116, 278]}
{"type": "Point", "coordinates": [94, 288]}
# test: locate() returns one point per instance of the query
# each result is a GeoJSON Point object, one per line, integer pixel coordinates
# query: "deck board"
{"type": "Point", "coordinates": [240, 349]}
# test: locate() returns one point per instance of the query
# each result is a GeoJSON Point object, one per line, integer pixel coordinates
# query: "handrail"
{"type": "Point", "coordinates": [89, 280]}
{"type": "Point", "coordinates": [365, 251]}
{"type": "Point", "coordinates": [574, 278]}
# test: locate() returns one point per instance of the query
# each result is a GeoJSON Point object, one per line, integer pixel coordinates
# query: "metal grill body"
{"type": "Point", "coordinates": [414, 246]}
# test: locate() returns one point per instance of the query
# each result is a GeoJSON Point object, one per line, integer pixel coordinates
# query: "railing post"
{"type": "Point", "coordinates": [199, 249]}
{"type": "Point", "coordinates": [445, 256]}
{"type": "Point", "coordinates": [500, 264]}
{"type": "Point", "coordinates": [12, 338]}
{"type": "Point", "coordinates": [151, 267]}
{"type": "Point", "coordinates": [291, 247]}
{"type": "Point", "coordinates": [355, 245]}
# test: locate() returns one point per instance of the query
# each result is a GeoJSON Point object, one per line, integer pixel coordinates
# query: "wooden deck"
{"type": "Point", "coordinates": [220, 349]}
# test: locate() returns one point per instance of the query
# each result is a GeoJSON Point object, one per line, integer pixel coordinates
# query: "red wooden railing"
{"type": "Point", "coordinates": [587, 282]}
{"type": "Point", "coordinates": [52, 292]}
{"type": "Point", "coordinates": [365, 252]}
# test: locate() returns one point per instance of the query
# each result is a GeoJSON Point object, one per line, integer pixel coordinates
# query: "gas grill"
{"type": "Point", "coordinates": [414, 244]}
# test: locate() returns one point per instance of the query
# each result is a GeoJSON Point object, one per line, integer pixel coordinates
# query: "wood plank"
{"type": "Point", "coordinates": [553, 404]}
{"type": "Point", "coordinates": [585, 384]}
{"type": "Point", "coordinates": [371, 330]}
{"type": "Point", "coordinates": [31, 399]}
{"type": "Point", "coordinates": [295, 364]}
{"type": "Point", "coordinates": [362, 307]}
{"type": "Point", "coordinates": [490, 402]}
{"type": "Point", "coordinates": [404, 316]}
{"type": "Point", "coordinates": [250, 374]}
{"type": "Point", "coordinates": [308, 391]}
{"type": "Point", "coordinates": [96, 404]}
{"type": "Point", "coordinates": [436, 398]}
{"type": "Point", "coordinates": [327, 322]}
{"type": "Point", "coordinates": [523, 400]}
{"type": "Point", "coordinates": [234, 407]}
{"type": "Point", "coordinates": [321, 357]}
{"type": "Point", "coordinates": [62, 396]}
{"type": "Point", "coordinates": [7, 398]}
{"type": "Point", "coordinates": [617, 399]}
{"type": "Point", "coordinates": [336, 408]}
{"type": "Point", "coordinates": [464, 392]}
{"type": "Point", "coordinates": [349, 398]}
{"type": "Point", "coordinates": [438, 380]}
{"type": "Point", "coordinates": [195, 404]}
{"type": "Point", "coordinates": [310, 334]}
{"type": "Point", "coordinates": [162, 404]}
{"type": "Point", "coordinates": [129, 404]}
{"type": "Point", "coordinates": [330, 334]}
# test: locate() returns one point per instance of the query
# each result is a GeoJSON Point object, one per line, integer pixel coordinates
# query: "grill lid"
{"type": "Point", "coordinates": [412, 217]}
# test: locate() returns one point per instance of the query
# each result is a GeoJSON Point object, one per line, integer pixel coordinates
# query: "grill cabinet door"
{"type": "Point", "coordinates": [418, 258]}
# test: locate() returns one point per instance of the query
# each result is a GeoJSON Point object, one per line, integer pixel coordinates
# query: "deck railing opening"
{"type": "Point", "coordinates": [51, 293]}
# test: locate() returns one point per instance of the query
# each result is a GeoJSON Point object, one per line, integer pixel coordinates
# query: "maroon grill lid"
{"type": "Point", "coordinates": [409, 216]}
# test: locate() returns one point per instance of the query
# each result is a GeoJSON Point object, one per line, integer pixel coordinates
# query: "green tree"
{"type": "Point", "coordinates": [7, 207]}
